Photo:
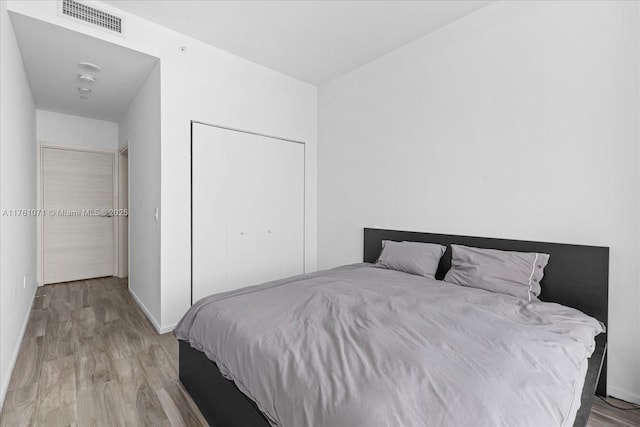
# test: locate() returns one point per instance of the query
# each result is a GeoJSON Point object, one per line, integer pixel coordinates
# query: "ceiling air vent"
{"type": "Point", "coordinates": [83, 12]}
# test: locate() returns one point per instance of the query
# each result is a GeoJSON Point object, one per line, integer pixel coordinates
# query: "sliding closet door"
{"type": "Point", "coordinates": [247, 209]}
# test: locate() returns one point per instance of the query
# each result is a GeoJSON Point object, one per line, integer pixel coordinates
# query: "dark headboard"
{"type": "Point", "coordinates": [576, 276]}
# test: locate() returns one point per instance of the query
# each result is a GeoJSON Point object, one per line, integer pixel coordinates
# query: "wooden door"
{"type": "Point", "coordinates": [77, 194]}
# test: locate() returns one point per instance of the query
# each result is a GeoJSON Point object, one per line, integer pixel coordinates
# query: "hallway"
{"type": "Point", "coordinates": [91, 358]}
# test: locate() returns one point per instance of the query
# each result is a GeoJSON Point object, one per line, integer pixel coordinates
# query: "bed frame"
{"type": "Point", "coordinates": [576, 276]}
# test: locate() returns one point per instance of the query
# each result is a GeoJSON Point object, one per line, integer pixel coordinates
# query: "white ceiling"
{"type": "Point", "coordinates": [51, 54]}
{"type": "Point", "coordinates": [314, 41]}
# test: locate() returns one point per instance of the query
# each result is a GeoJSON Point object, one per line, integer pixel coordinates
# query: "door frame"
{"type": "Point", "coordinates": [123, 152]}
{"type": "Point", "coordinates": [42, 145]}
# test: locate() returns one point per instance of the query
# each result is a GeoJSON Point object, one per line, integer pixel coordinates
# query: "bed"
{"type": "Point", "coordinates": [576, 277]}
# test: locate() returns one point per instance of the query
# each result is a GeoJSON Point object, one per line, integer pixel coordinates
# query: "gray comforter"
{"type": "Point", "coordinates": [362, 346]}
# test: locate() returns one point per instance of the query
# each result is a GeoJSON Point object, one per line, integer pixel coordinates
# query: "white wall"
{"type": "Point", "coordinates": [17, 191]}
{"type": "Point", "coordinates": [206, 84]}
{"type": "Point", "coordinates": [66, 130]}
{"type": "Point", "coordinates": [140, 129]}
{"type": "Point", "coordinates": [518, 121]}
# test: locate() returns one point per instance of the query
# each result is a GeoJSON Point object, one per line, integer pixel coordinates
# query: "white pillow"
{"type": "Point", "coordinates": [511, 273]}
{"type": "Point", "coordinates": [417, 258]}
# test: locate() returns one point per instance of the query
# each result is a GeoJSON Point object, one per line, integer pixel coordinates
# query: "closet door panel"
{"type": "Point", "coordinates": [245, 189]}
{"type": "Point", "coordinates": [269, 219]}
{"type": "Point", "coordinates": [292, 209]}
{"type": "Point", "coordinates": [210, 171]}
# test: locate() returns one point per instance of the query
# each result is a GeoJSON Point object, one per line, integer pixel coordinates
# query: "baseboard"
{"type": "Point", "coordinates": [168, 328]}
{"type": "Point", "coordinates": [623, 395]}
{"type": "Point", "coordinates": [147, 313]}
{"type": "Point", "coordinates": [16, 351]}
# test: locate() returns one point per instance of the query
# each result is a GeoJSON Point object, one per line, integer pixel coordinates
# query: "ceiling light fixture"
{"type": "Point", "coordinates": [86, 78]}
{"type": "Point", "coordinates": [84, 90]}
{"type": "Point", "coordinates": [88, 66]}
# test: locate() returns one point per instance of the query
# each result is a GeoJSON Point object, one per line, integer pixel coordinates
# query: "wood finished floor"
{"type": "Point", "coordinates": [91, 358]}
{"type": "Point", "coordinates": [603, 415]}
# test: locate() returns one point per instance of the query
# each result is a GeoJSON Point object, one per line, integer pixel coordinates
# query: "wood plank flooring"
{"type": "Point", "coordinates": [91, 358]}
{"type": "Point", "coordinates": [603, 415]}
